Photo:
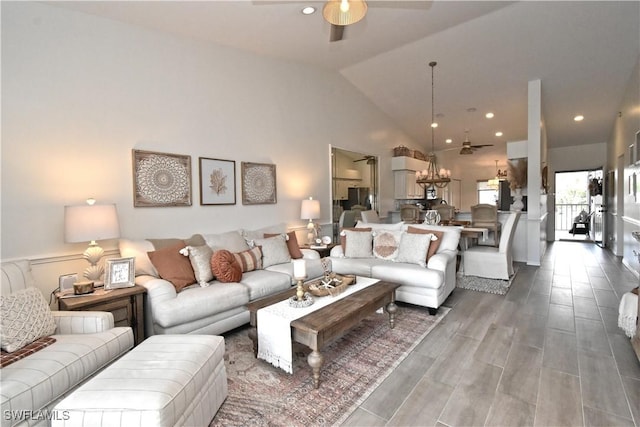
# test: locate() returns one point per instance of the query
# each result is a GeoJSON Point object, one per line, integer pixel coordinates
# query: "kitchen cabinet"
{"type": "Point", "coordinates": [405, 186]}
{"type": "Point", "coordinates": [341, 188]}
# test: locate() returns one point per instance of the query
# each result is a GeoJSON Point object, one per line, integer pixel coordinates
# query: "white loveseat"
{"type": "Point", "coordinates": [85, 342]}
{"type": "Point", "coordinates": [214, 307]}
{"type": "Point", "coordinates": [427, 286]}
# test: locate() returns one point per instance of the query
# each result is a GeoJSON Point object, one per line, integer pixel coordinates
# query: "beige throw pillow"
{"type": "Point", "coordinates": [358, 244]}
{"type": "Point", "coordinates": [386, 244]}
{"type": "Point", "coordinates": [200, 258]}
{"type": "Point", "coordinates": [413, 248]}
{"type": "Point", "coordinates": [274, 250]}
{"type": "Point", "coordinates": [25, 317]}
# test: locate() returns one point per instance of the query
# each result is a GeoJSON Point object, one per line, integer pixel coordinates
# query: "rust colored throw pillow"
{"type": "Point", "coordinates": [249, 260]}
{"type": "Point", "coordinates": [173, 266]}
{"type": "Point", "coordinates": [225, 266]}
{"type": "Point", "coordinates": [292, 244]}
{"type": "Point", "coordinates": [434, 245]}
{"type": "Point", "coordinates": [343, 237]}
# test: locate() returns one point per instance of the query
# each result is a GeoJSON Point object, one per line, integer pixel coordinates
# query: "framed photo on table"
{"type": "Point", "coordinates": [119, 273]}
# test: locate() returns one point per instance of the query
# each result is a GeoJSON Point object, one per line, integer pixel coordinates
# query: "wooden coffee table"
{"type": "Point", "coordinates": [324, 325]}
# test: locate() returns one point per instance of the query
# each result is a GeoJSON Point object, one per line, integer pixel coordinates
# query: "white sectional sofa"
{"type": "Point", "coordinates": [211, 307]}
{"type": "Point", "coordinates": [85, 342]}
{"type": "Point", "coordinates": [425, 284]}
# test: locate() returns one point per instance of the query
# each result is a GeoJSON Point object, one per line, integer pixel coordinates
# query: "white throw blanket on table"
{"type": "Point", "coordinates": [274, 325]}
{"type": "Point", "coordinates": [627, 313]}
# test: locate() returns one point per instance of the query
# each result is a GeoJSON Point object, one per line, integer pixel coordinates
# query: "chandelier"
{"type": "Point", "coordinates": [433, 176]}
{"type": "Point", "coordinates": [494, 183]}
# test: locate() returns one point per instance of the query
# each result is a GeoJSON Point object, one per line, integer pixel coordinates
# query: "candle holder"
{"type": "Point", "coordinates": [301, 298]}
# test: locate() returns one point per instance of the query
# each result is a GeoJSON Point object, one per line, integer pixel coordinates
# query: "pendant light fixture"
{"type": "Point", "coordinates": [344, 12]}
{"type": "Point", "coordinates": [433, 176]}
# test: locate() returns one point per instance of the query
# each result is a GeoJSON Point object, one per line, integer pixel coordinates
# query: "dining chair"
{"type": "Point", "coordinates": [410, 214]}
{"type": "Point", "coordinates": [447, 212]}
{"type": "Point", "coordinates": [486, 216]}
{"type": "Point", "coordinates": [370, 217]}
{"type": "Point", "coordinates": [493, 262]}
{"type": "Point", "coordinates": [347, 219]}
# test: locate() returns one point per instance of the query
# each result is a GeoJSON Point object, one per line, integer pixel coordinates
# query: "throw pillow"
{"type": "Point", "coordinates": [231, 241]}
{"type": "Point", "coordinates": [249, 260]}
{"type": "Point", "coordinates": [200, 258]}
{"type": "Point", "coordinates": [398, 226]}
{"type": "Point", "coordinates": [358, 244]}
{"type": "Point", "coordinates": [413, 248]}
{"type": "Point", "coordinates": [138, 249]}
{"type": "Point", "coordinates": [24, 317]}
{"type": "Point", "coordinates": [226, 267]}
{"type": "Point", "coordinates": [274, 250]}
{"type": "Point", "coordinates": [173, 266]}
{"type": "Point", "coordinates": [7, 359]}
{"type": "Point", "coordinates": [292, 244]}
{"type": "Point", "coordinates": [435, 243]}
{"type": "Point", "coordinates": [343, 238]}
{"type": "Point", "coordinates": [386, 243]}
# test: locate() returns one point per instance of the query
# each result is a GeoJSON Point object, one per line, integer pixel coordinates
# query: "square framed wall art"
{"type": "Point", "coordinates": [258, 183]}
{"type": "Point", "coordinates": [217, 181]}
{"type": "Point", "coordinates": [161, 179]}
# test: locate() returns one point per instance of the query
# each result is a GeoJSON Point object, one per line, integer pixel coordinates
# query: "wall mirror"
{"type": "Point", "coordinates": [354, 183]}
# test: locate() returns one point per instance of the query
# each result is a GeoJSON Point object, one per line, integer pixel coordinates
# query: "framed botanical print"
{"type": "Point", "coordinates": [217, 181]}
{"type": "Point", "coordinates": [119, 273]}
{"type": "Point", "coordinates": [258, 183]}
{"type": "Point", "coordinates": [161, 179]}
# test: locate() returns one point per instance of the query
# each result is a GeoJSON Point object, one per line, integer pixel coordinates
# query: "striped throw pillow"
{"type": "Point", "coordinates": [250, 260]}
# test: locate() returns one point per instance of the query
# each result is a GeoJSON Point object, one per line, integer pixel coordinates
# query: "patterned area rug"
{"type": "Point", "coordinates": [482, 284]}
{"type": "Point", "coordinates": [354, 365]}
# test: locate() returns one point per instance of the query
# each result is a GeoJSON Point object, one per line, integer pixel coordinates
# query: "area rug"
{"type": "Point", "coordinates": [354, 365]}
{"type": "Point", "coordinates": [482, 284]}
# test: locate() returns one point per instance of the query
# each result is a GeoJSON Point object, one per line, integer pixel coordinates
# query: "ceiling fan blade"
{"type": "Point", "coordinates": [337, 33]}
{"type": "Point", "coordinates": [482, 145]}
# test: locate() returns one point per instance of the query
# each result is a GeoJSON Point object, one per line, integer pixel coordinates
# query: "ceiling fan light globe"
{"type": "Point", "coordinates": [466, 150]}
{"type": "Point", "coordinates": [334, 14]}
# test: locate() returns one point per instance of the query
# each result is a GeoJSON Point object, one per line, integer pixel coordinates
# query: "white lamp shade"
{"type": "Point", "coordinates": [87, 223]}
{"type": "Point", "coordinates": [310, 209]}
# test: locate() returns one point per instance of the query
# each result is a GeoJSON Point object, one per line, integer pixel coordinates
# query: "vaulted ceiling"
{"type": "Point", "coordinates": [582, 51]}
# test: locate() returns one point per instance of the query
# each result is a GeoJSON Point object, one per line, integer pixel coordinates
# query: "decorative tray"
{"type": "Point", "coordinates": [332, 284]}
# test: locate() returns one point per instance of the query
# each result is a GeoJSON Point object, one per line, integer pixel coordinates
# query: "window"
{"type": "Point", "coordinates": [487, 194]}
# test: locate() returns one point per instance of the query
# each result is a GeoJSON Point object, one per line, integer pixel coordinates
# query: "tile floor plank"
{"type": "Point", "coordinates": [559, 402]}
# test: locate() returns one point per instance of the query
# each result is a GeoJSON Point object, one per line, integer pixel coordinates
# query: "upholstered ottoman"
{"type": "Point", "coordinates": [167, 380]}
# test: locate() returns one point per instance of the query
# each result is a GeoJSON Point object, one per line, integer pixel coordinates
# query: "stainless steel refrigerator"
{"type": "Point", "coordinates": [358, 196]}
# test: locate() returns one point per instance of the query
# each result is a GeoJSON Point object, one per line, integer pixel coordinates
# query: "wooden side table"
{"type": "Point", "coordinates": [125, 304]}
{"type": "Point", "coordinates": [324, 252]}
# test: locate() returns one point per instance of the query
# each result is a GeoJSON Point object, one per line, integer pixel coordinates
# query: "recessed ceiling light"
{"type": "Point", "coordinates": [498, 133]}
{"type": "Point", "coordinates": [489, 115]}
{"type": "Point", "coordinates": [448, 140]}
{"type": "Point", "coordinates": [434, 125]}
{"type": "Point", "coordinates": [308, 10]}
{"type": "Point", "coordinates": [578, 118]}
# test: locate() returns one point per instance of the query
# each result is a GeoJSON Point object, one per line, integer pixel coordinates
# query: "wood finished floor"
{"type": "Point", "coordinates": [549, 353]}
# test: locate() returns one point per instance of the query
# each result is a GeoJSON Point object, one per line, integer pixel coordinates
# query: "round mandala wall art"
{"type": "Point", "coordinates": [258, 183]}
{"type": "Point", "coordinates": [161, 179]}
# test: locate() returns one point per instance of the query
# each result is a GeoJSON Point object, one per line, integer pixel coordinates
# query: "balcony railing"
{"type": "Point", "coordinates": [565, 213]}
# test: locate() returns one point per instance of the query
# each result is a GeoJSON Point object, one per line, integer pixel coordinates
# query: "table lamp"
{"type": "Point", "coordinates": [88, 223]}
{"type": "Point", "coordinates": [310, 210]}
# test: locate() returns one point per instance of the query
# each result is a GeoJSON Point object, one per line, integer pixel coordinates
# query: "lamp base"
{"type": "Point", "coordinates": [94, 272]}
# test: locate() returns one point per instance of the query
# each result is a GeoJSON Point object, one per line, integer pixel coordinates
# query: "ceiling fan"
{"type": "Point", "coordinates": [369, 159]}
{"type": "Point", "coordinates": [467, 148]}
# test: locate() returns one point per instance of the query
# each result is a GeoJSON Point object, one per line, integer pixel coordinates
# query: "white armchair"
{"type": "Point", "coordinates": [85, 342]}
{"type": "Point", "coordinates": [492, 262]}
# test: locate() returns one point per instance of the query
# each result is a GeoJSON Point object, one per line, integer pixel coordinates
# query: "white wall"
{"type": "Point", "coordinates": [80, 92]}
{"type": "Point", "coordinates": [623, 135]}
